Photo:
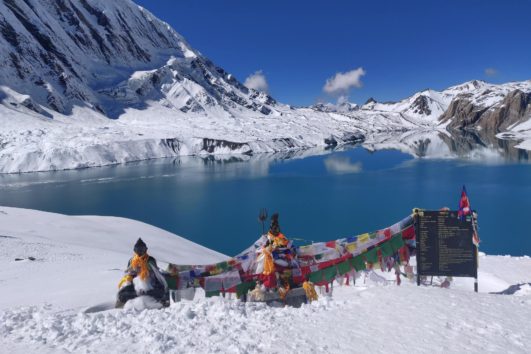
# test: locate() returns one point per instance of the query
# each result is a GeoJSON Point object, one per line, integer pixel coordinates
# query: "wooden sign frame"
{"type": "Point", "coordinates": [444, 245]}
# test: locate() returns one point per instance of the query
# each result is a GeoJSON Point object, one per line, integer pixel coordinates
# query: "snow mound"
{"type": "Point", "coordinates": [78, 260]}
{"type": "Point", "coordinates": [376, 319]}
{"type": "Point", "coordinates": [142, 303]}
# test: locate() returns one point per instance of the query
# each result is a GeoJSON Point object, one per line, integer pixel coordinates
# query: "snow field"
{"type": "Point", "coordinates": [79, 260]}
{"type": "Point", "coordinates": [376, 319]}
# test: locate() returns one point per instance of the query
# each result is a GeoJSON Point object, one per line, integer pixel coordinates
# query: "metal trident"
{"type": "Point", "coordinates": [262, 217]}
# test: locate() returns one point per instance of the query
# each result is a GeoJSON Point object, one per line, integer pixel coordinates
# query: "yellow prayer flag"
{"type": "Point", "coordinates": [363, 238]}
{"type": "Point", "coordinates": [351, 247]}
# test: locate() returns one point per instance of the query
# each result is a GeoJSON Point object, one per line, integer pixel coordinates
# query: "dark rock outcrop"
{"type": "Point", "coordinates": [348, 138]}
{"type": "Point", "coordinates": [464, 114]}
{"type": "Point", "coordinates": [210, 145]}
{"type": "Point", "coordinates": [515, 108]}
{"type": "Point", "coordinates": [370, 100]}
{"type": "Point", "coordinates": [421, 105]}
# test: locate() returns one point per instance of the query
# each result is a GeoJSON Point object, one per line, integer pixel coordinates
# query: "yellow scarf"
{"type": "Point", "coordinates": [141, 262]}
{"type": "Point", "coordinates": [309, 289]}
{"type": "Point", "coordinates": [125, 279]}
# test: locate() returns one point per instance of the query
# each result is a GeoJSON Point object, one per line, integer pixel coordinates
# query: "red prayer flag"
{"type": "Point", "coordinates": [331, 244]}
{"type": "Point", "coordinates": [464, 205]}
{"type": "Point", "coordinates": [464, 210]}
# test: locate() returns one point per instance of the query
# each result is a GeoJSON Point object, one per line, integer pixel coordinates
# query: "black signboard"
{"type": "Point", "coordinates": [444, 244]}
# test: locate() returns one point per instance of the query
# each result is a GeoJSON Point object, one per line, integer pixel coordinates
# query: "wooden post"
{"type": "Point", "coordinates": [476, 277]}
{"type": "Point", "coordinates": [417, 243]}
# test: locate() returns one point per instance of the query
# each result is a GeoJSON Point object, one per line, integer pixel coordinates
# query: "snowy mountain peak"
{"type": "Point", "coordinates": [467, 86]}
{"type": "Point", "coordinates": [95, 53]}
{"type": "Point", "coordinates": [370, 100]}
{"type": "Point", "coordinates": [347, 107]}
{"type": "Point", "coordinates": [324, 107]}
{"type": "Point", "coordinates": [341, 107]}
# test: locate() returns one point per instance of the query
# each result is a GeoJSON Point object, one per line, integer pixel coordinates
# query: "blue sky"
{"type": "Point", "coordinates": [402, 46]}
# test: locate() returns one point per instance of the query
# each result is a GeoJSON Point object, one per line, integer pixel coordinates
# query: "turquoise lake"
{"type": "Point", "coordinates": [215, 202]}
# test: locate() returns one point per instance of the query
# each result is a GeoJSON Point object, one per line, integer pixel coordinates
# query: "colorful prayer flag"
{"type": "Point", "coordinates": [387, 249]}
{"type": "Point", "coordinates": [243, 288]}
{"type": "Point", "coordinates": [351, 247]}
{"type": "Point", "coordinates": [212, 293]}
{"type": "Point", "coordinates": [316, 277]}
{"type": "Point", "coordinates": [465, 210]}
{"type": "Point", "coordinates": [363, 238]}
{"type": "Point", "coordinates": [330, 273]}
{"type": "Point", "coordinates": [464, 205]}
{"type": "Point", "coordinates": [397, 242]}
{"type": "Point", "coordinates": [358, 263]}
{"type": "Point", "coordinates": [343, 268]}
{"type": "Point", "coordinates": [372, 255]}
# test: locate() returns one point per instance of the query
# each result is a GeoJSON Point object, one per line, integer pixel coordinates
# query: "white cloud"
{"type": "Point", "coordinates": [491, 72]}
{"type": "Point", "coordinates": [341, 82]}
{"type": "Point", "coordinates": [257, 81]}
{"type": "Point", "coordinates": [342, 165]}
{"type": "Point", "coordinates": [342, 99]}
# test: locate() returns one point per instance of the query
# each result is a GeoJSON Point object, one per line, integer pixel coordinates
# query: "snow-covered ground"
{"type": "Point", "coordinates": [31, 143]}
{"type": "Point", "coordinates": [78, 259]}
{"type": "Point", "coordinates": [78, 262]}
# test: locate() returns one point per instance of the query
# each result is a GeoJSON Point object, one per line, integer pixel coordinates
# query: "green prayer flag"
{"type": "Point", "coordinates": [343, 267]}
{"type": "Point", "coordinates": [243, 288]}
{"type": "Point", "coordinates": [330, 273]}
{"type": "Point", "coordinates": [222, 265]}
{"type": "Point", "coordinates": [171, 281]}
{"type": "Point", "coordinates": [212, 293]}
{"type": "Point", "coordinates": [358, 263]}
{"type": "Point", "coordinates": [372, 255]}
{"type": "Point", "coordinates": [387, 249]}
{"type": "Point", "coordinates": [397, 242]}
{"type": "Point", "coordinates": [316, 277]}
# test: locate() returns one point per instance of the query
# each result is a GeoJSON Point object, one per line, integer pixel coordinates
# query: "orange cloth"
{"type": "Point", "coordinates": [141, 262]}
{"type": "Point", "coordinates": [269, 264]}
{"type": "Point", "coordinates": [279, 240]}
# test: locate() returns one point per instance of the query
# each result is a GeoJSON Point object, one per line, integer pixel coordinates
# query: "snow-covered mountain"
{"type": "Point", "coordinates": [341, 107]}
{"type": "Point", "coordinates": [474, 107]}
{"type": "Point", "coordinates": [108, 54]}
{"type": "Point", "coordinates": [469, 105]}
{"type": "Point", "coordinates": [96, 82]}
{"type": "Point", "coordinates": [93, 82]}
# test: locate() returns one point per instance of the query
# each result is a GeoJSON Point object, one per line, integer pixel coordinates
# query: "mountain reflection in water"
{"type": "Point", "coordinates": [320, 194]}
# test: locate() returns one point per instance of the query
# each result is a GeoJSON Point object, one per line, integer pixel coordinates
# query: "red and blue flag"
{"type": "Point", "coordinates": [465, 210]}
{"type": "Point", "coordinates": [464, 205]}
